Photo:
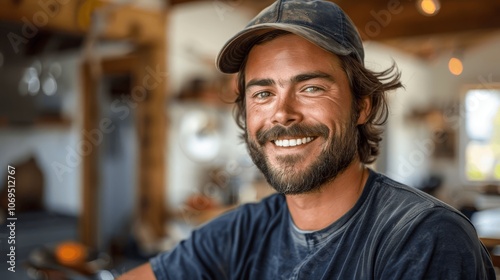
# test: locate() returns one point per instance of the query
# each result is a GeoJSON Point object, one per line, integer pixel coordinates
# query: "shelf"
{"type": "Point", "coordinates": [41, 121]}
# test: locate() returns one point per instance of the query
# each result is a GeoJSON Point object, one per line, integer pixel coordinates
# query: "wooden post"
{"type": "Point", "coordinates": [90, 172]}
{"type": "Point", "coordinates": [152, 131]}
{"type": "Point", "coordinates": [147, 67]}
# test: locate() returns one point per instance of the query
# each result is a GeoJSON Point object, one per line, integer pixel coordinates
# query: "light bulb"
{"type": "Point", "coordinates": [428, 7]}
{"type": "Point", "coordinates": [455, 66]}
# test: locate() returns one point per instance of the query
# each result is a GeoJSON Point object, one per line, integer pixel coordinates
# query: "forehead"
{"type": "Point", "coordinates": [286, 53]}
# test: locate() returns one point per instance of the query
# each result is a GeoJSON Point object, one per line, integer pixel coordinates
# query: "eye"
{"type": "Point", "coordinates": [312, 89]}
{"type": "Point", "coordinates": [262, 94]}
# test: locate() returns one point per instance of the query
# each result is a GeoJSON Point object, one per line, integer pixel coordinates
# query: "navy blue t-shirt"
{"type": "Point", "coordinates": [392, 232]}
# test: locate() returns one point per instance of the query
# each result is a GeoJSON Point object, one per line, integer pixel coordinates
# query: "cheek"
{"type": "Point", "coordinates": [253, 117]}
{"type": "Point", "coordinates": [328, 112]}
{"type": "Point", "coordinates": [333, 115]}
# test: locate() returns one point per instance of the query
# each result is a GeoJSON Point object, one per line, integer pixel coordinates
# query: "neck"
{"type": "Point", "coordinates": [316, 210]}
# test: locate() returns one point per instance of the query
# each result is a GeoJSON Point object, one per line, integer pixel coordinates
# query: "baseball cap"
{"type": "Point", "coordinates": [323, 23]}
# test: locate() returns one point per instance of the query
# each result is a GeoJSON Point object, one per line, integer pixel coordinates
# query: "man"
{"type": "Point", "coordinates": [311, 114]}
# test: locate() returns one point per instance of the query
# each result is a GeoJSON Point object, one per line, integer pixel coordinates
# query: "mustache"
{"type": "Point", "coordinates": [296, 130]}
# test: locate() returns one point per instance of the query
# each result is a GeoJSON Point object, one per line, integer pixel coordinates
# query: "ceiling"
{"type": "Point", "coordinates": [459, 24]}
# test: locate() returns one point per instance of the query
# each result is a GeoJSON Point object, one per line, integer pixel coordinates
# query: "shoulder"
{"type": "Point", "coordinates": [434, 245]}
{"type": "Point", "coordinates": [426, 237]}
{"type": "Point", "coordinates": [389, 186]}
{"type": "Point", "coordinates": [403, 212]}
{"type": "Point", "coordinates": [408, 203]}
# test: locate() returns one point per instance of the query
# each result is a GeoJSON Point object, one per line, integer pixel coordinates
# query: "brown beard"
{"type": "Point", "coordinates": [285, 179]}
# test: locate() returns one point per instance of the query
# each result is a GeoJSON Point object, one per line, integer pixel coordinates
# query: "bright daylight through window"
{"type": "Point", "coordinates": [482, 135]}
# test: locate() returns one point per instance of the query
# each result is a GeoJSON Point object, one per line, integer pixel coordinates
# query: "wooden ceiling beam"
{"type": "Point", "coordinates": [454, 17]}
{"type": "Point", "coordinates": [74, 17]}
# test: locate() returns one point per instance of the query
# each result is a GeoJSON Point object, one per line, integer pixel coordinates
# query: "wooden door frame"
{"type": "Point", "coordinates": [146, 66]}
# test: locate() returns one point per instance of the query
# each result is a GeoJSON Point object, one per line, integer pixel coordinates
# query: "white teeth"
{"type": "Point", "coordinates": [292, 142]}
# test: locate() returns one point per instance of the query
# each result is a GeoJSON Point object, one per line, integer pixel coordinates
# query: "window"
{"type": "Point", "coordinates": [481, 150]}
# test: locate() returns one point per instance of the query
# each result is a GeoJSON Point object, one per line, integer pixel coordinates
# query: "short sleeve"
{"type": "Point", "coordinates": [201, 256]}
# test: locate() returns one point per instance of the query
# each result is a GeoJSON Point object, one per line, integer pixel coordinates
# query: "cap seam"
{"type": "Point", "coordinates": [280, 6]}
{"type": "Point", "coordinates": [342, 28]}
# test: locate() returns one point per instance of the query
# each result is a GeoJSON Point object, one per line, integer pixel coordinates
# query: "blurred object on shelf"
{"type": "Point", "coordinates": [29, 187]}
{"type": "Point", "coordinates": [219, 91]}
{"type": "Point", "coordinates": [485, 201]}
{"type": "Point", "coordinates": [70, 253]}
{"type": "Point", "coordinates": [493, 246]}
{"type": "Point", "coordinates": [200, 208]}
{"type": "Point", "coordinates": [487, 222]}
{"type": "Point", "coordinates": [68, 260]}
{"type": "Point", "coordinates": [490, 189]}
{"type": "Point", "coordinates": [431, 184]}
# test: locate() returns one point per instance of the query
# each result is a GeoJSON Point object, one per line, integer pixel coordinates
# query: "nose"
{"type": "Point", "coordinates": [287, 111]}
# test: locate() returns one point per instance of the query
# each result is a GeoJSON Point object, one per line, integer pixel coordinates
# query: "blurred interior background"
{"type": "Point", "coordinates": [121, 133]}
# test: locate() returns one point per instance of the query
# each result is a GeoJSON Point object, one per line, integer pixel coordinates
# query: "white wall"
{"type": "Point", "coordinates": [406, 162]}
{"type": "Point", "coordinates": [50, 144]}
{"type": "Point", "coordinates": [196, 33]}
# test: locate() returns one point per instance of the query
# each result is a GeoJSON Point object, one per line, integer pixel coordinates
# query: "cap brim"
{"type": "Point", "coordinates": [236, 49]}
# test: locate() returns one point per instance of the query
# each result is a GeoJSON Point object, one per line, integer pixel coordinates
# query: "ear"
{"type": "Point", "coordinates": [365, 107]}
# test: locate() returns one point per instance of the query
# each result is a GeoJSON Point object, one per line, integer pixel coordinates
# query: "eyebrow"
{"type": "Point", "coordinates": [312, 75]}
{"type": "Point", "coordinates": [259, 82]}
{"type": "Point", "coordinates": [295, 79]}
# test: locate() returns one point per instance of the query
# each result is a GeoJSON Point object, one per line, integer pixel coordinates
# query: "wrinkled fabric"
{"type": "Point", "coordinates": [393, 232]}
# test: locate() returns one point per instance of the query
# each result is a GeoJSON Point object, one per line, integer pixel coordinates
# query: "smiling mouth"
{"type": "Point", "coordinates": [292, 142]}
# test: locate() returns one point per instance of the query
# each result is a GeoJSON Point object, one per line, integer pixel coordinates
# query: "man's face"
{"type": "Point", "coordinates": [300, 125]}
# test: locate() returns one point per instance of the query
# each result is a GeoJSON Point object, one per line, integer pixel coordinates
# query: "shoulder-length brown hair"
{"type": "Point", "coordinates": [363, 83]}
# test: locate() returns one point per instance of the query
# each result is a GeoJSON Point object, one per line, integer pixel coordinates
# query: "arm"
{"type": "Point", "coordinates": [143, 272]}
